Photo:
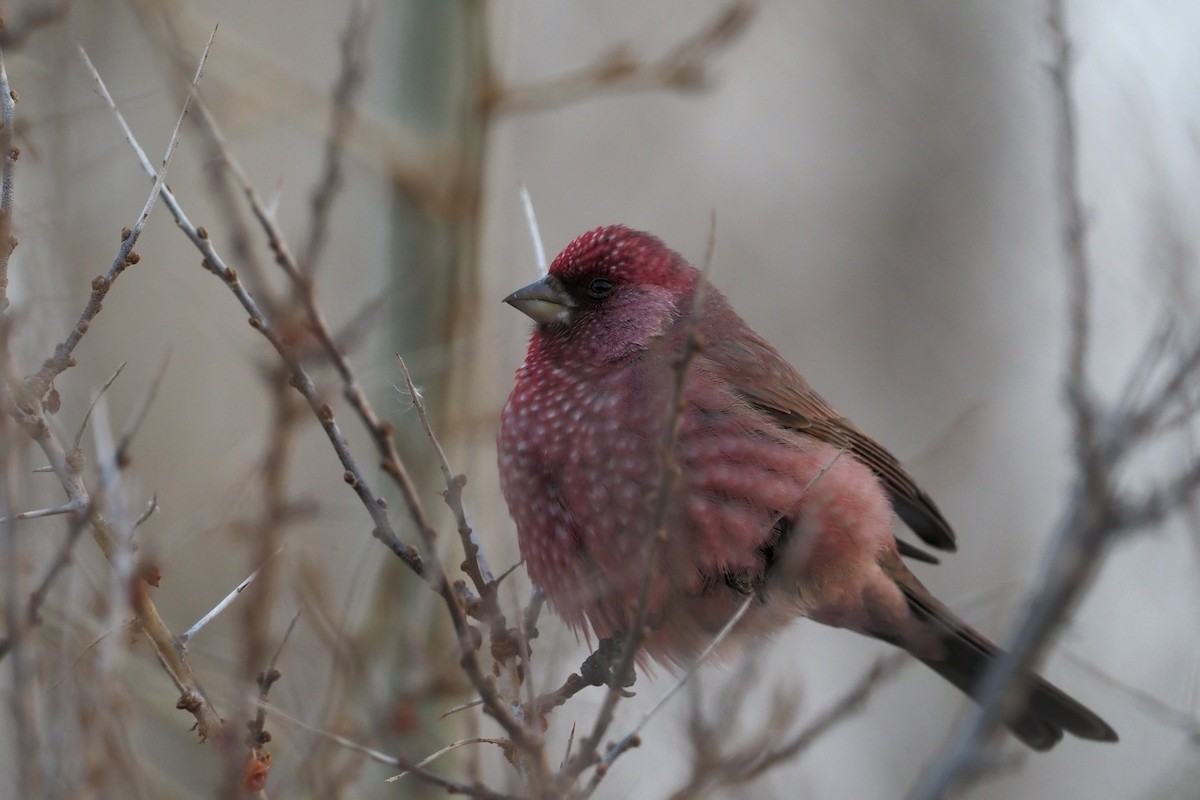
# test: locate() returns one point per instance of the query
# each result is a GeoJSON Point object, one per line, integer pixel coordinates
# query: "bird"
{"type": "Point", "coordinates": [780, 502]}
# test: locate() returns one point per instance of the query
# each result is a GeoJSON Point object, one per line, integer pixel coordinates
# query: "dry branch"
{"type": "Point", "coordinates": [1107, 438]}
{"type": "Point", "coordinates": [682, 68]}
{"type": "Point", "coordinates": [29, 413]}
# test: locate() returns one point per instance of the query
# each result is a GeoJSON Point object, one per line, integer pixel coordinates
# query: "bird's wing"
{"type": "Point", "coordinates": [762, 377]}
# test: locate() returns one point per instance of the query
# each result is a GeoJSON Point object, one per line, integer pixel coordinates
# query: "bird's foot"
{"type": "Point", "coordinates": [600, 667]}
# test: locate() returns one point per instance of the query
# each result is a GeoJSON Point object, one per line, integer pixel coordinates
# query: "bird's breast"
{"type": "Point", "coordinates": [579, 464]}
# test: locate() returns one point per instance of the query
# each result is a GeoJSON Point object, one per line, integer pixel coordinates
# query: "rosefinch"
{"type": "Point", "coordinates": [778, 497]}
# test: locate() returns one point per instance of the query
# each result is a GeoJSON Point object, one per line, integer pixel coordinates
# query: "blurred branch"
{"type": "Point", "coordinates": [448, 749]}
{"type": "Point", "coordinates": [21, 688]}
{"type": "Point", "coordinates": [716, 764]}
{"type": "Point", "coordinates": [246, 79]}
{"type": "Point", "coordinates": [259, 762]}
{"type": "Point", "coordinates": [33, 17]}
{"type": "Point", "coordinates": [1167, 714]}
{"type": "Point", "coordinates": [375, 505]}
{"type": "Point", "coordinates": [81, 514]}
{"type": "Point", "coordinates": [342, 111]}
{"type": "Point", "coordinates": [1106, 439]}
{"type": "Point", "coordinates": [682, 68]}
{"type": "Point", "coordinates": [8, 154]}
{"type": "Point", "coordinates": [410, 767]}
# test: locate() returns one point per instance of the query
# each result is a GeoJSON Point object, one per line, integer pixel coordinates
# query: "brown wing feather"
{"type": "Point", "coordinates": [767, 381]}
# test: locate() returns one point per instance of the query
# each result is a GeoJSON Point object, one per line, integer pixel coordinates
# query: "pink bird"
{"type": "Point", "coordinates": [779, 498]}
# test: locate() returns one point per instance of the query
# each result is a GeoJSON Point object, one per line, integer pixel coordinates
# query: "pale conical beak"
{"type": "Point", "coordinates": [543, 301]}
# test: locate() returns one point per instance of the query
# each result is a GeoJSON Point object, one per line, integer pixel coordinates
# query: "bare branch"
{"type": "Point", "coordinates": [475, 564]}
{"type": "Point", "coordinates": [258, 736]}
{"type": "Point", "coordinates": [717, 764]}
{"type": "Point", "coordinates": [523, 737]}
{"type": "Point", "coordinates": [1098, 509]}
{"type": "Point", "coordinates": [683, 68]}
{"type": "Point", "coordinates": [341, 117]}
{"type": "Point", "coordinates": [87, 415]}
{"type": "Point", "coordinates": [62, 358]}
{"type": "Point", "coordinates": [68, 468]}
{"type": "Point", "coordinates": [33, 17]}
{"type": "Point", "coordinates": [452, 786]}
{"type": "Point", "coordinates": [504, 743]}
{"type": "Point", "coordinates": [8, 154]}
{"type": "Point", "coordinates": [375, 504]}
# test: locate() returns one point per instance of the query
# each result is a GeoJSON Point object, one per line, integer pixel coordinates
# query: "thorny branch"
{"type": "Point", "coordinates": [27, 408]}
{"type": "Point", "coordinates": [62, 359]}
{"type": "Point", "coordinates": [27, 399]}
{"type": "Point", "coordinates": [81, 515]}
{"type": "Point", "coordinates": [432, 571]}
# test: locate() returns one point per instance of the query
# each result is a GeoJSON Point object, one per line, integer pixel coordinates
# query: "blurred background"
{"type": "Point", "coordinates": [883, 181]}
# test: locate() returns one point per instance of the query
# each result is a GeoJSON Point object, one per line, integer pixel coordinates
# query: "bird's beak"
{"type": "Point", "coordinates": [543, 301]}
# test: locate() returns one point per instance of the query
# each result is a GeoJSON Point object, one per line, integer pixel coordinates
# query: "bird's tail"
{"type": "Point", "coordinates": [965, 659]}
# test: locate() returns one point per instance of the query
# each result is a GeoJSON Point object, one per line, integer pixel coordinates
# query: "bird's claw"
{"type": "Point", "coordinates": [598, 668]}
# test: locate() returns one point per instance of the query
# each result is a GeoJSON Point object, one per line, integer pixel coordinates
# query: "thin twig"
{"type": "Point", "coordinates": [62, 358]}
{"type": "Point", "coordinates": [258, 735]}
{"type": "Point", "coordinates": [87, 415]}
{"type": "Point", "coordinates": [452, 786]}
{"type": "Point", "coordinates": [139, 416]}
{"type": "Point", "coordinates": [8, 157]}
{"type": "Point", "coordinates": [681, 69]}
{"type": "Point", "coordinates": [341, 117]}
{"type": "Point", "coordinates": [14, 33]}
{"type": "Point", "coordinates": [475, 564]}
{"type": "Point", "coordinates": [849, 704]}
{"type": "Point", "coordinates": [68, 470]}
{"type": "Point", "coordinates": [1165, 713]}
{"type": "Point", "coordinates": [83, 511]}
{"type": "Point", "coordinates": [38, 513]}
{"type": "Point", "coordinates": [504, 743]}
{"type": "Point", "coordinates": [375, 504]}
{"type": "Point", "coordinates": [1098, 510]}
{"type": "Point", "coordinates": [434, 573]}
{"type": "Point", "coordinates": [633, 738]}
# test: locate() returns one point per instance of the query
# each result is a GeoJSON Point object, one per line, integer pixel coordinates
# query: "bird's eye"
{"type": "Point", "coordinates": [599, 287]}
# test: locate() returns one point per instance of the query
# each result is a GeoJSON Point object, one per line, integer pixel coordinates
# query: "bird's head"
{"type": "Point", "coordinates": [609, 293]}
